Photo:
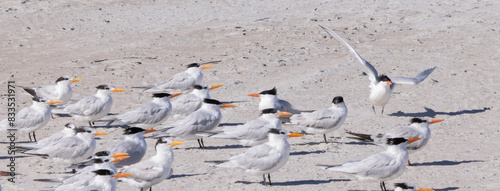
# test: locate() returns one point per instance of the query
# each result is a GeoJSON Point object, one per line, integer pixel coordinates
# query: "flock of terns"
{"type": "Point", "coordinates": [186, 100]}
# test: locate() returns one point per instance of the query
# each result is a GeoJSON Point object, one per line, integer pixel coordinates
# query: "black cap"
{"type": "Point", "coordinates": [270, 110]}
{"type": "Point", "coordinates": [133, 130]}
{"type": "Point", "coordinates": [103, 87]}
{"type": "Point", "coordinates": [62, 79]}
{"type": "Point", "coordinates": [396, 141]}
{"type": "Point", "coordinates": [194, 65]}
{"type": "Point", "coordinates": [103, 172]}
{"type": "Point", "coordinates": [102, 153]}
{"type": "Point", "coordinates": [212, 101]}
{"type": "Point", "coordinates": [384, 78]}
{"type": "Point", "coordinates": [418, 120]}
{"type": "Point", "coordinates": [160, 95]}
{"type": "Point", "coordinates": [338, 99]}
{"type": "Point", "coordinates": [269, 92]}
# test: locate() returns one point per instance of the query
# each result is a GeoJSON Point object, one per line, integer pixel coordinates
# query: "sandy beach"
{"type": "Point", "coordinates": [266, 44]}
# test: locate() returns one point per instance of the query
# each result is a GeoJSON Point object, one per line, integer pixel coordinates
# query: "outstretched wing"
{"type": "Point", "coordinates": [372, 74]}
{"type": "Point", "coordinates": [413, 81]}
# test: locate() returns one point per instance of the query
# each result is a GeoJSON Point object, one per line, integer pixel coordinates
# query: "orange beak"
{"type": "Point", "coordinates": [389, 83]}
{"type": "Point", "coordinates": [119, 155]}
{"type": "Point", "coordinates": [436, 121]}
{"type": "Point", "coordinates": [100, 133]}
{"type": "Point", "coordinates": [54, 101]}
{"type": "Point", "coordinates": [413, 140]}
{"type": "Point", "coordinates": [118, 159]}
{"type": "Point", "coordinates": [176, 143]}
{"type": "Point", "coordinates": [121, 175]}
{"type": "Point", "coordinates": [227, 105]}
{"type": "Point", "coordinates": [206, 67]}
{"type": "Point", "coordinates": [175, 95]}
{"type": "Point", "coordinates": [118, 90]}
{"type": "Point", "coordinates": [283, 113]}
{"type": "Point", "coordinates": [424, 189]}
{"type": "Point", "coordinates": [253, 95]}
{"type": "Point", "coordinates": [150, 131]}
{"type": "Point", "coordinates": [215, 86]}
{"type": "Point", "coordinates": [295, 135]}
{"type": "Point", "coordinates": [76, 80]}
{"type": "Point", "coordinates": [4, 173]}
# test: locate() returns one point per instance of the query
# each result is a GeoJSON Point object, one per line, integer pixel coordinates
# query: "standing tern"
{"type": "Point", "coordinates": [264, 158]}
{"type": "Point", "coordinates": [59, 91]}
{"type": "Point", "coordinates": [68, 130]}
{"type": "Point", "coordinates": [322, 121]}
{"type": "Point", "coordinates": [31, 118]}
{"type": "Point", "coordinates": [381, 86]}
{"type": "Point", "coordinates": [255, 131]}
{"type": "Point", "coordinates": [409, 187]}
{"type": "Point", "coordinates": [180, 82]}
{"type": "Point", "coordinates": [154, 170]}
{"type": "Point", "coordinates": [70, 149]}
{"type": "Point", "coordinates": [93, 107]}
{"type": "Point", "coordinates": [382, 166]}
{"type": "Point", "coordinates": [204, 119]}
{"type": "Point", "coordinates": [269, 99]}
{"type": "Point", "coordinates": [133, 143]}
{"type": "Point", "coordinates": [148, 115]}
{"type": "Point", "coordinates": [190, 102]}
{"type": "Point", "coordinates": [419, 127]}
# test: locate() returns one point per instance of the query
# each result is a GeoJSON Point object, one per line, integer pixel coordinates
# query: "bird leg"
{"type": "Point", "coordinates": [382, 110]}
{"type": "Point", "coordinates": [264, 177]}
{"type": "Point", "coordinates": [29, 134]}
{"type": "Point", "coordinates": [200, 142]}
{"type": "Point", "coordinates": [269, 177]}
{"type": "Point", "coordinates": [324, 137]}
{"type": "Point", "coordinates": [382, 186]}
{"type": "Point", "coordinates": [409, 163]}
{"type": "Point", "coordinates": [34, 136]}
{"type": "Point", "coordinates": [373, 107]}
{"type": "Point", "coordinates": [91, 123]}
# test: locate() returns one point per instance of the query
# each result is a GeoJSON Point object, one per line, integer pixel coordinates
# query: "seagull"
{"type": "Point", "coordinates": [31, 118]}
{"type": "Point", "coordinates": [204, 119]}
{"type": "Point", "coordinates": [419, 128]}
{"type": "Point", "coordinates": [188, 103]}
{"type": "Point", "coordinates": [264, 158]}
{"type": "Point", "coordinates": [59, 91]}
{"type": "Point", "coordinates": [382, 166]}
{"type": "Point", "coordinates": [255, 131]}
{"type": "Point", "coordinates": [409, 187]}
{"type": "Point", "coordinates": [92, 107]}
{"type": "Point", "coordinates": [149, 115]}
{"type": "Point", "coordinates": [154, 170]}
{"type": "Point", "coordinates": [322, 121]}
{"type": "Point", "coordinates": [133, 143]}
{"type": "Point", "coordinates": [180, 82]}
{"type": "Point", "coordinates": [381, 86]}
{"type": "Point", "coordinates": [70, 149]}
{"type": "Point", "coordinates": [269, 99]}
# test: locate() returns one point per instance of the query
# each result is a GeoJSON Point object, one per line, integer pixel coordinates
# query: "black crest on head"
{"type": "Point", "coordinates": [103, 87]}
{"type": "Point", "coordinates": [39, 99]}
{"type": "Point", "coordinates": [102, 153]}
{"type": "Point", "coordinates": [194, 65]}
{"type": "Point", "coordinates": [396, 141]}
{"type": "Point", "coordinates": [198, 87]}
{"type": "Point", "coordinates": [103, 172]}
{"type": "Point", "coordinates": [160, 95]}
{"type": "Point", "coordinates": [338, 99]}
{"type": "Point", "coordinates": [97, 161]}
{"type": "Point", "coordinates": [82, 130]}
{"type": "Point", "coordinates": [417, 120]}
{"type": "Point", "coordinates": [133, 130]}
{"type": "Point", "coordinates": [61, 79]}
{"type": "Point", "coordinates": [270, 110]}
{"type": "Point", "coordinates": [212, 101]}
{"type": "Point", "coordinates": [269, 92]}
{"type": "Point", "coordinates": [70, 125]}
{"type": "Point", "coordinates": [403, 186]}
{"type": "Point", "coordinates": [384, 78]}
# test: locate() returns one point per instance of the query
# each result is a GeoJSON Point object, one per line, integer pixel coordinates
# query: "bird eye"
{"type": "Point", "coordinates": [282, 132]}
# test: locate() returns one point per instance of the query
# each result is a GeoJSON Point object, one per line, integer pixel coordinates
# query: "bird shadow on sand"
{"type": "Point", "coordinates": [445, 163]}
{"type": "Point", "coordinates": [307, 152]}
{"type": "Point", "coordinates": [8, 157]}
{"type": "Point", "coordinates": [183, 175]}
{"type": "Point", "coordinates": [217, 147]}
{"type": "Point", "coordinates": [432, 114]}
{"type": "Point", "coordinates": [230, 124]}
{"type": "Point", "coordinates": [297, 182]}
{"type": "Point", "coordinates": [447, 189]}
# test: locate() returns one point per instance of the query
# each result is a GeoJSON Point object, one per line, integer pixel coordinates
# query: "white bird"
{"type": "Point", "coordinates": [148, 115]}
{"type": "Point", "coordinates": [382, 166]}
{"type": "Point", "coordinates": [192, 101]}
{"type": "Point", "coordinates": [264, 158]}
{"type": "Point", "coordinates": [67, 131]}
{"type": "Point", "coordinates": [132, 143]}
{"type": "Point", "coordinates": [255, 131]}
{"type": "Point", "coordinates": [154, 170]}
{"type": "Point", "coordinates": [322, 121]}
{"type": "Point", "coordinates": [419, 127]}
{"type": "Point", "coordinates": [204, 119]}
{"type": "Point", "coordinates": [70, 149]}
{"type": "Point", "coordinates": [180, 82]}
{"type": "Point", "coordinates": [92, 107]}
{"type": "Point", "coordinates": [409, 187]}
{"type": "Point", "coordinates": [381, 86]}
{"type": "Point", "coordinates": [269, 99]}
{"type": "Point", "coordinates": [59, 91]}
{"type": "Point", "coordinates": [102, 180]}
{"type": "Point", "coordinates": [31, 118]}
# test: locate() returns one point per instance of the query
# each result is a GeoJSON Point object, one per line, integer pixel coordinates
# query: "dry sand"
{"type": "Point", "coordinates": [265, 44]}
